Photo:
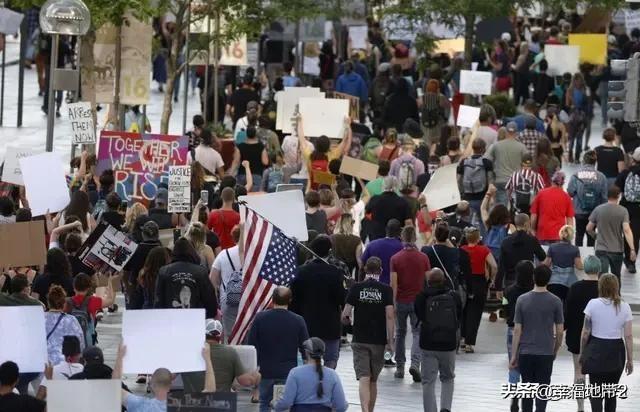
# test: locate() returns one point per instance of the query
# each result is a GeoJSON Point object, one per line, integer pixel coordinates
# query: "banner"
{"type": "Point", "coordinates": [593, 47]}
{"type": "Point", "coordinates": [202, 402]}
{"type": "Point", "coordinates": [140, 161]}
{"type": "Point", "coordinates": [82, 129]}
{"type": "Point", "coordinates": [135, 62]}
{"type": "Point", "coordinates": [106, 249]}
{"type": "Point", "coordinates": [179, 189]}
{"type": "Point", "coordinates": [104, 66]}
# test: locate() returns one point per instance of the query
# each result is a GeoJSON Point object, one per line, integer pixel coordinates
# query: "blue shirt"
{"type": "Point", "coordinates": [520, 121]}
{"type": "Point", "coordinates": [302, 387]}
{"type": "Point", "coordinates": [383, 248]}
{"type": "Point", "coordinates": [137, 403]}
{"type": "Point", "coordinates": [353, 84]}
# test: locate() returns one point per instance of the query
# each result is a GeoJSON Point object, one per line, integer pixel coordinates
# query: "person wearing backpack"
{"type": "Point", "coordinates": [274, 175]}
{"type": "Point", "coordinates": [629, 184]}
{"type": "Point", "coordinates": [588, 189]}
{"type": "Point", "coordinates": [439, 310]}
{"type": "Point", "coordinates": [523, 185]}
{"type": "Point", "coordinates": [435, 108]}
{"type": "Point", "coordinates": [84, 307]}
{"type": "Point", "coordinates": [474, 176]}
{"type": "Point", "coordinates": [406, 168]}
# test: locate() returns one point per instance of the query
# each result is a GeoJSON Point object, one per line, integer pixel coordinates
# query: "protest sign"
{"type": "Point", "coordinates": [358, 36]}
{"type": "Point", "coordinates": [287, 102]}
{"type": "Point", "coordinates": [11, 172]}
{"type": "Point", "coordinates": [631, 20]}
{"type": "Point", "coordinates": [140, 162]}
{"type": "Point", "coordinates": [562, 59]}
{"type": "Point", "coordinates": [45, 183]}
{"type": "Point", "coordinates": [248, 357]}
{"type": "Point", "coordinates": [152, 336]}
{"type": "Point", "coordinates": [358, 168]}
{"type": "Point", "coordinates": [22, 244]}
{"type": "Point", "coordinates": [474, 82]}
{"type": "Point", "coordinates": [593, 47]}
{"type": "Point", "coordinates": [82, 128]}
{"type": "Point", "coordinates": [106, 249]}
{"type": "Point", "coordinates": [202, 402]}
{"type": "Point", "coordinates": [99, 395]}
{"type": "Point", "coordinates": [284, 209]}
{"type": "Point", "coordinates": [104, 69]}
{"type": "Point", "coordinates": [468, 116]}
{"type": "Point", "coordinates": [450, 46]}
{"type": "Point", "coordinates": [10, 21]}
{"type": "Point", "coordinates": [179, 189]}
{"type": "Point", "coordinates": [323, 116]}
{"type": "Point", "coordinates": [354, 103]}
{"type": "Point", "coordinates": [234, 53]}
{"type": "Point", "coordinates": [23, 339]}
{"type": "Point", "coordinates": [442, 189]}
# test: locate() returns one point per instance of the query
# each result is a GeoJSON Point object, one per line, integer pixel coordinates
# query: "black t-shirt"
{"type": "Point", "coordinates": [12, 402]}
{"type": "Point", "coordinates": [161, 217]}
{"type": "Point", "coordinates": [630, 136]}
{"type": "Point", "coordinates": [608, 158]}
{"type": "Point", "coordinates": [384, 207]}
{"type": "Point", "coordinates": [42, 284]}
{"type": "Point", "coordinates": [369, 300]}
{"type": "Point", "coordinates": [253, 153]}
{"type": "Point", "coordinates": [113, 218]}
{"type": "Point", "coordinates": [239, 100]}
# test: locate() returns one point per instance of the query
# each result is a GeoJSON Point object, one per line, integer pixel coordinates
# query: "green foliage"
{"type": "Point", "coordinates": [502, 104]}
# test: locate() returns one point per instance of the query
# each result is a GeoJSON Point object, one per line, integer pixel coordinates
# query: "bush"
{"type": "Point", "coordinates": [503, 105]}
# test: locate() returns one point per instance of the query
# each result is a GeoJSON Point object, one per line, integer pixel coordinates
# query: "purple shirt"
{"type": "Point", "coordinates": [383, 248]}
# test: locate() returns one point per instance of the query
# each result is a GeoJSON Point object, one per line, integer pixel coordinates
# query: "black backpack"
{"type": "Point", "coordinates": [432, 112]}
{"type": "Point", "coordinates": [523, 194]}
{"type": "Point", "coordinates": [441, 320]}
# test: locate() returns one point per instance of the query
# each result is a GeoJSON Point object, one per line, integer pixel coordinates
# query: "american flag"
{"type": "Point", "coordinates": [269, 262]}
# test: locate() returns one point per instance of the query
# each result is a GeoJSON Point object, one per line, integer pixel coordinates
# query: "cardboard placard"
{"type": "Point", "coordinates": [84, 395]}
{"type": "Point", "coordinates": [82, 129]}
{"type": "Point", "coordinates": [106, 249]}
{"type": "Point", "coordinates": [562, 59]}
{"type": "Point", "coordinates": [179, 189]}
{"type": "Point", "coordinates": [450, 46]}
{"type": "Point", "coordinates": [23, 244]}
{"type": "Point", "coordinates": [202, 402]}
{"type": "Point", "coordinates": [284, 209]}
{"type": "Point", "coordinates": [45, 183]}
{"type": "Point", "coordinates": [358, 168]}
{"type": "Point", "coordinates": [468, 116]}
{"type": "Point", "coordinates": [358, 36]}
{"type": "Point", "coordinates": [234, 53]}
{"type": "Point", "coordinates": [442, 189]}
{"type": "Point", "coordinates": [10, 21]}
{"type": "Point", "coordinates": [24, 339]}
{"type": "Point", "coordinates": [11, 172]}
{"type": "Point", "coordinates": [593, 47]}
{"type": "Point", "coordinates": [323, 116]}
{"type": "Point", "coordinates": [354, 103]}
{"type": "Point", "coordinates": [287, 102]}
{"type": "Point", "coordinates": [474, 82]}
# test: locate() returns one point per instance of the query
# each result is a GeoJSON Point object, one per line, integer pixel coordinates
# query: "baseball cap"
{"type": "Point", "coordinates": [162, 196]}
{"type": "Point", "coordinates": [213, 328]}
{"type": "Point", "coordinates": [512, 127]}
{"type": "Point", "coordinates": [636, 154]}
{"type": "Point", "coordinates": [93, 355]}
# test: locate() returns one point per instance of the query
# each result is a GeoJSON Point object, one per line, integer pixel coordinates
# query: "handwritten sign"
{"type": "Point", "coordinates": [82, 128]}
{"type": "Point", "coordinates": [179, 189]}
{"type": "Point", "coordinates": [204, 402]}
{"type": "Point", "coordinates": [11, 172]}
{"type": "Point", "coordinates": [140, 161]}
{"type": "Point", "coordinates": [473, 82]}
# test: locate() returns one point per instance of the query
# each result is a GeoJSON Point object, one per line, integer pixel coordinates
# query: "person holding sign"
{"type": "Point", "coordinates": [501, 64]}
{"type": "Point", "coordinates": [10, 401]}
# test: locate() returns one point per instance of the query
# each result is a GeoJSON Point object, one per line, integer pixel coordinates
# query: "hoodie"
{"type": "Point", "coordinates": [420, 307]}
{"type": "Point", "coordinates": [185, 285]}
{"type": "Point", "coordinates": [352, 83]}
{"type": "Point", "coordinates": [516, 247]}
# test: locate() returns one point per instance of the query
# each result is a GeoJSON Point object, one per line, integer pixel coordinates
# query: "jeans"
{"type": "Point", "coordinates": [604, 378]}
{"type": "Point", "coordinates": [331, 353]}
{"type": "Point", "coordinates": [501, 194]}
{"type": "Point", "coordinates": [634, 222]}
{"type": "Point", "coordinates": [433, 362]}
{"type": "Point", "coordinates": [404, 311]}
{"type": "Point", "coordinates": [611, 262]}
{"type": "Point", "coordinates": [581, 231]}
{"type": "Point", "coordinates": [266, 392]}
{"type": "Point", "coordinates": [514, 374]}
{"type": "Point", "coordinates": [477, 219]}
{"type": "Point", "coordinates": [535, 369]}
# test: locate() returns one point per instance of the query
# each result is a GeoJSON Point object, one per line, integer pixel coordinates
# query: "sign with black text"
{"type": "Point", "coordinates": [202, 402]}
{"type": "Point", "coordinates": [179, 189]}
{"type": "Point", "coordinates": [82, 129]}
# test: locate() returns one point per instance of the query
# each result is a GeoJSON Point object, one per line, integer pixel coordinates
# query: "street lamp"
{"type": "Point", "coordinates": [67, 18]}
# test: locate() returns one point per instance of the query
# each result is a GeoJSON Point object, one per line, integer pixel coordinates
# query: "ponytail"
{"type": "Point", "coordinates": [320, 391]}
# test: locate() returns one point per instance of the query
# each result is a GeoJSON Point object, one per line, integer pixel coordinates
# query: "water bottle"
{"type": "Point", "coordinates": [387, 355]}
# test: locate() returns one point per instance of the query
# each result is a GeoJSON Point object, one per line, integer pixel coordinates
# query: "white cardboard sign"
{"type": "Point", "coordinates": [84, 395]}
{"type": "Point", "coordinates": [562, 59]}
{"type": "Point", "coordinates": [287, 102]}
{"type": "Point", "coordinates": [11, 172]}
{"type": "Point", "coordinates": [163, 338]}
{"type": "Point", "coordinates": [23, 339]}
{"type": "Point", "coordinates": [284, 209]}
{"type": "Point", "coordinates": [10, 21]}
{"type": "Point", "coordinates": [179, 189]}
{"type": "Point", "coordinates": [468, 116]}
{"type": "Point", "coordinates": [475, 82]}
{"type": "Point", "coordinates": [358, 35]}
{"type": "Point", "coordinates": [82, 128]}
{"type": "Point", "coordinates": [323, 116]}
{"type": "Point", "coordinates": [442, 189]}
{"type": "Point", "coordinates": [45, 183]}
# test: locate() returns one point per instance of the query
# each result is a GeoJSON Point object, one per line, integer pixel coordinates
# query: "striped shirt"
{"type": "Point", "coordinates": [534, 179]}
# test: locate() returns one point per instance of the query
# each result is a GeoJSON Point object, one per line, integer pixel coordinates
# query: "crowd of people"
{"type": "Point", "coordinates": [379, 261]}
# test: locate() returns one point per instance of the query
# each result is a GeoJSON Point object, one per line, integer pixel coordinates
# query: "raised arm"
{"type": "Point", "coordinates": [209, 376]}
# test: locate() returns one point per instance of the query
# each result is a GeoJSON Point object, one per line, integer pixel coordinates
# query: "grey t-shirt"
{"type": "Point", "coordinates": [608, 219]}
{"type": "Point", "coordinates": [538, 313]}
{"type": "Point", "coordinates": [506, 156]}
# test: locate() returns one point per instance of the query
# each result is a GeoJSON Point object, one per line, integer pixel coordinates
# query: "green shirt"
{"type": "Point", "coordinates": [374, 187]}
{"type": "Point", "coordinates": [226, 368]}
{"type": "Point", "coordinates": [18, 299]}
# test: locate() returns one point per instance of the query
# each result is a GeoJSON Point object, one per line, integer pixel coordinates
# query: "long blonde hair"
{"type": "Point", "coordinates": [135, 211]}
{"type": "Point", "coordinates": [344, 225]}
{"type": "Point", "coordinates": [609, 288]}
{"type": "Point", "coordinates": [197, 235]}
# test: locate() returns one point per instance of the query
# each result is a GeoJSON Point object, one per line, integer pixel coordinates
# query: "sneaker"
{"type": "Point", "coordinates": [493, 317]}
{"type": "Point", "coordinates": [632, 268]}
{"type": "Point", "coordinates": [399, 374]}
{"type": "Point", "coordinates": [389, 362]}
{"type": "Point", "coordinates": [141, 379]}
{"type": "Point", "coordinates": [468, 349]}
{"type": "Point", "coordinates": [113, 308]}
{"type": "Point", "coordinates": [415, 374]}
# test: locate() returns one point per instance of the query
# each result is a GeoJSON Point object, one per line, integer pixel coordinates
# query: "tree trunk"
{"type": "Point", "coordinates": [469, 28]}
{"type": "Point", "coordinates": [87, 81]}
{"type": "Point", "coordinates": [172, 64]}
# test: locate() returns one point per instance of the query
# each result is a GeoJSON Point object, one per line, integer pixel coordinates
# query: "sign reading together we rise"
{"type": "Point", "coordinates": [140, 162]}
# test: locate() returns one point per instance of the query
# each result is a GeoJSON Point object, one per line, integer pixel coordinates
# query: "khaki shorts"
{"type": "Point", "coordinates": [368, 360]}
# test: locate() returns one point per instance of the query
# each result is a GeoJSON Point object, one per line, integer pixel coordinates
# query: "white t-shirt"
{"type": "Point", "coordinates": [241, 125]}
{"type": "Point", "coordinates": [222, 264]}
{"type": "Point", "coordinates": [63, 371]}
{"type": "Point", "coordinates": [606, 321]}
{"type": "Point", "coordinates": [208, 157]}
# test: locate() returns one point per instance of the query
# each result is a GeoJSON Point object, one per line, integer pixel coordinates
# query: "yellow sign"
{"type": "Point", "coordinates": [593, 47]}
{"type": "Point", "coordinates": [449, 46]}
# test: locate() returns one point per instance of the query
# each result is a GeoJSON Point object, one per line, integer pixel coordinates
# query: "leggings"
{"type": "Point", "coordinates": [600, 378]}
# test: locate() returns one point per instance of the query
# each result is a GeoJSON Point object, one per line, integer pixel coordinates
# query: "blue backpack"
{"type": "Point", "coordinates": [493, 240]}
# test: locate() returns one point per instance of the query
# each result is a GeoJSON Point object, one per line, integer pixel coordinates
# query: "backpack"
{"type": "Point", "coordinates": [432, 113]}
{"type": "Point", "coordinates": [369, 150]}
{"type": "Point", "coordinates": [276, 177]}
{"type": "Point", "coordinates": [493, 240]}
{"type": "Point", "coordinates": [632, 188]}
{"type": "Point", "coordinates": [407, 174]}
{"type": "Point", "coordinates": [233, 288]}
{"type": "Point", "coordinates": [474, 178]}
{"type": "Point", "coordinates": [588, 194]}
{"type": "Point", "coordinates": [82, 315]}
{"type": "Point", "coordinates": [522, 194]}
{"type": "Point", "coordinates": [321, 165]}
{"type": "Point", "coordinates": [441, 320]}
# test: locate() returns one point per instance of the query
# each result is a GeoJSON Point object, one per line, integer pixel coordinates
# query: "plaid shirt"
{"type": "Point", "coordinates": [530, 138]}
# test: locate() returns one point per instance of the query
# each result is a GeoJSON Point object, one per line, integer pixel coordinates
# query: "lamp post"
{"type": "Point", "coordinates": [67, 18]}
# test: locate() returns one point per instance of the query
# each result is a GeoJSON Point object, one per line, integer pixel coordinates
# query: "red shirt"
{"type": "Point", "coordinates": [423, 227]}
{"type": "Point", "coordinates": [221, 222]}
{"type": "Point", "coordinates": [478, 256]}
{"type": "Point", "coordinates": [553, 206]}
{"type": "Point", "coordinates": [95, 304]}
{"type": "Point", "coordinates": [410, 265]}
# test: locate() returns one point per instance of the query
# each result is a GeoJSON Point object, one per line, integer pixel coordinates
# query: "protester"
{"type": "Point", "coordinates": [149, 233]}
{"type": "Point", "coordinates": [551, 209]}
{"type": "Point", "coordinates": [10, 401]}
{"type": "Point", "coordinates": [385, 207]}
{"type": "Point", "coordinates": [70, 365]}
{"type": "Point", "coordinates": [579, 102]}
{"type": "Point", "coordinates": [629, 184]}
{"type": "Point", "coordinates": [158, 257]}
{"type": "Point", "coordinates": [346, 245]}
{"type": "Point", "coordinates": [19, 293]}
{"type": "Point", "coordinates": [610, 157]}
{"type": "Point", "coordinates": [315, 216]}
{"type": "Point", "coordinates": [446, 256]}
{"type": "Point", "coordinates": [474, 175]}
{"type": "Point", "coordinates": [506, 156]}
{"type": "Point", "coordinates": [523, 185]}
{"type": "Point", "coordinates": [85, 307]}
{"type": "Point", "coordinates": [57, 271]}
{"type": "Point", "coordinates": [531, 135]}
{"type": "Point", "coordinates": [221, 221]}
{"type": "Point", "coordinates": [59, 325]}
{"type": "Point", "coordinates": [384, 248]}
{"type": "Point", "coordinates": [406, 167]}
{"type": "Point", "coordinates": [207, 154]}
{"type": "Point", "coordinates": [564, 260]}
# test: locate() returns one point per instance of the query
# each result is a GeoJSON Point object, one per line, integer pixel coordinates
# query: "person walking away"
{"type": "Point", "coordinates": [385, 248]}
{"type": "Point", "coordinates": [607, 320]}
{"type": "Point", "coordinates": [352, 83]}
{"type": "Point", "coordinates": [506, 156]}
{"type": "Point", "coordinates": [523, 284]}
{"type": "Point", "coordinates": [407, 167]}
{"type": "Point", "coordinates": [610, 157]}
{"type": "Point", "coordinates": [588, 189]}
{"type": "Point", "coordinates": [538, 318]}
{"type": "Point", "coordinates": [578, 101]}
{"type": "Point", "coordinates": [530, 135]}
{"type": "Point", "coordinates": [206, 153]}
{"type": "Point", "coordinates": [371, 303]}
{"type": "Point", "coordinates": [439, 310]}
{"type": "Point", "coordinates": [386, 207]}
{"type": "Point", "coordinates": [11, 401]}
{"type": "Point", "coordinates": [435, 109]}
{"type": "Point", "coordinates": [474, 176]}
{"type": "Point", "coordinates": [522, 75]}
{"type": "Point", "coordinates": [580, 293]}
{"type": "Point", "coordinates": [223, 220]}
{"type": "Point", "coordinates": [556, 133]}
{"type": "Point", "coordinates": [551, 209]}
{"type": "Point", "coordinates": [523, 185]}
{"type": "Point", "coordinates": [278, 335]}
{"type": "Point", "coordinates": [483, 271]}
{"type": "Point", "coordinates": [629, 184]}
{"type": "Point", "coordinates": [408, 270]}
{"type": "Point", "coordinates": [546, 163]}
{"type": "Point", "coordinates": [59, 325]}
{"type": "Point", "coordinates": [612, 222]}
{"type": "Point", "coordinates": [564, 259]}
{"type": "Point", "coordinates": [253, 151]}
